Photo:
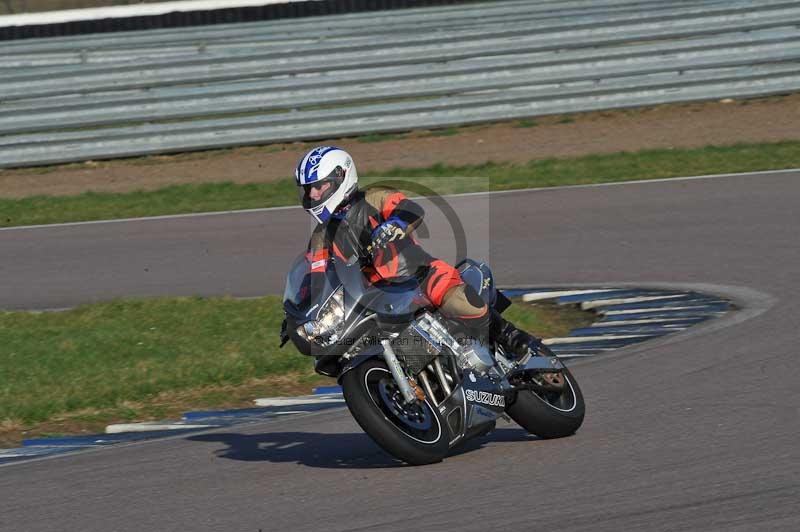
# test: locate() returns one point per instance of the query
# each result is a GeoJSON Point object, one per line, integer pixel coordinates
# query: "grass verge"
{"type": "Point", "coordinates": [78, 370]}
{"type": "Point", "coordinates": [649, 164]}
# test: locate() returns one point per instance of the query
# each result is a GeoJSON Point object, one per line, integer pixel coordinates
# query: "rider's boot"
{"type": "Point", "coordinates": [518, 343]}
{"type": "Point", "coordinates": [515, 342]}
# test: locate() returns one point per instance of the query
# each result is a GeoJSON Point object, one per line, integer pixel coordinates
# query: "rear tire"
{"type": "Point", "coordinates": [550, 415]}
{"type": "Point", "coordinates": [413, 433]}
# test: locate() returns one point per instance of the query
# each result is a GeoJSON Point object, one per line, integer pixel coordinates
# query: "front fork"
{"type": "Point", "coordinates": [409, 394]}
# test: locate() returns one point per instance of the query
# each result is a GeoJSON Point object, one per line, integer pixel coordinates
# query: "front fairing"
{"type": "Point", "coordinates": [306, 292]}
{"type": "Point", "coordinates": [395, 302]}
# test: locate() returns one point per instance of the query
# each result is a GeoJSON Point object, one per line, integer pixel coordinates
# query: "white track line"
{"type": "Point", "coordinates": [36, 451]}
{"type": "Point", "coordinates": [587, 339]}
{"type": "Point", "coordinates": [665, 327]}
{"type": "Point", "coordinates": [462, 195]}
{"type": "Point", "coordinates": [588, 305]}
{"type": "Point", "coordinates": [149, 10]}
{"type": "Point", "coordinates": [292, 401]}
{"type": "Point", "coordinates": [152, 218]}
{"type": "Point", "coordinates": [118, 428]}
{"type": "Point", "coordinates": [649, 310]}
{"type": "Point", "coordinates": [647, 321]}
{"type": "Point", "coordinates": [622, 183]}
{"type": "Point", "coordinates": [538, 296]}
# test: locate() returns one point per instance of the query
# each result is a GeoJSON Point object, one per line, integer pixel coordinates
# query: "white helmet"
{"type": "Point", "coordinates": [326, 163]}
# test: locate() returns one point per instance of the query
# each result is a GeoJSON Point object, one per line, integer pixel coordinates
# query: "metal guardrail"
{"type": "Point", "coordinates": [368, 73]}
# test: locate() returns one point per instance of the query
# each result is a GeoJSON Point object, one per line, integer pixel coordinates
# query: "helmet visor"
{"type": "Point", "coordinates": [315, 194]}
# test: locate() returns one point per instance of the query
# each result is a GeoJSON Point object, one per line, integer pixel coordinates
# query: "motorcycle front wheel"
{"type": "Point", "coordinates": [411, 432]}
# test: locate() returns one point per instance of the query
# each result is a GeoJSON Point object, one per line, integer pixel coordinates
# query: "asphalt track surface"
{"type": "Point", "coordinates": [695, 432]}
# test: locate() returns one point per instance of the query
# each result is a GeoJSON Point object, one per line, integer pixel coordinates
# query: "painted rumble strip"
{"type": "Point", "coordinates": [192, 422]}
{"type": "Point", "coordinates": [627, 316]}
{"type": "Point", "coordinates": [624, 317]}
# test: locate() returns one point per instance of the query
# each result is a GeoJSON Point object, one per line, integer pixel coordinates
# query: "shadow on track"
{"type": "Point", "coordinates": [334, 451]}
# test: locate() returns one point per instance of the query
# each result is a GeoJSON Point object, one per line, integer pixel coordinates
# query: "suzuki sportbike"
{"type": "Point", "coordinates": [410, 382]}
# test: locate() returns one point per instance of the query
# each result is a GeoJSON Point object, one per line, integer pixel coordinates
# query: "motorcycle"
{"type": "Point", "coordinates": [411, 384]}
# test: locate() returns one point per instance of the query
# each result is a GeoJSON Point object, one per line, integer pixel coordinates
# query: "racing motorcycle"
{"type": "Point", "coordinates": [410, 382]}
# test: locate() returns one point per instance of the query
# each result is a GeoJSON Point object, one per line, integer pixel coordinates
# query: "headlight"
{"type": "Point", "coordinates": [325, 330]}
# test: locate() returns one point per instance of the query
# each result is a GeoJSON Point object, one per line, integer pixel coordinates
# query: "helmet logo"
{"type": "Point", "coordinates": [315, 159]}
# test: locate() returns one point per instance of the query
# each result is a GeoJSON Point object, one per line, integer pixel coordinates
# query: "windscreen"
{"type": "Point", "coordinates": [305, 289]}
{"type": "Point", "coordinates": [306, 292]}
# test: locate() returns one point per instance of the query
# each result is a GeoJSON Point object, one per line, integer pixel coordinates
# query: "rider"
{"type": "Point", "coordinates": [375, 225]}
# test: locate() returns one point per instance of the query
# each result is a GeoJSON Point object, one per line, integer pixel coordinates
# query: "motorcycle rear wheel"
{"type": "Point", "coordinates": [414, 433]}
{"type": "Point", "coordinates": [550, 414]}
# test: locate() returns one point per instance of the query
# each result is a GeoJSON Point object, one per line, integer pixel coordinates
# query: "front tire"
{"type": "Point", "coordinates": [550, 414]}
{"type": "Point", "coordinates": [413, 433]}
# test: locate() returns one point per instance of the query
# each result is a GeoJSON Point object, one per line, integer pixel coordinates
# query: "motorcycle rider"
{"type": "Point", "coordinates": [375, 226]}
